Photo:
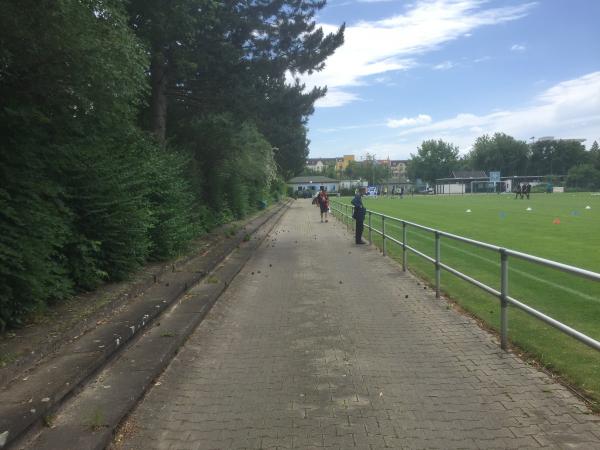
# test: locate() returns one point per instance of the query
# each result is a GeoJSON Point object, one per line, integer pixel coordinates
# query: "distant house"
{"type": "Point", "coordinates": [314, 183]}
{"type": "Point", "coordinates": [398, 167]}
{"type": "Point", "coordinates": [320, 164]}
{"type": "Point", "coordinates": [343, 162]}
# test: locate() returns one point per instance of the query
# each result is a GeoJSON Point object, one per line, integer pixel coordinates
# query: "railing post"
{"type": "Point", "coordinates": [403, 246]}
{"type": "Point", "coordinates": [383, 234]}
{"type": "Point", "coordinates": [437, 264]}
{"type": "Point", "coordinates": [347, 218]}
{"type": "Point", "coordinates": [370, 240]}
{"type": "Point", "coordinates": [503, 302]}
{"type": "Point", "coordinates": [350, 221]}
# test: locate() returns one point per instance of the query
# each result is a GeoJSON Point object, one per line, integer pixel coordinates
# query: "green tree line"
{"type": "Point", "coordinates": [131, 127]}
{"type": "Point", "coordinates": [511, 157]}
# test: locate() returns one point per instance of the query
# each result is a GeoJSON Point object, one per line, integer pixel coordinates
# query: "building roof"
{"type": "Point", "coordinates": [468, 174]}
{"type": "Point", "coordinates": [314, 161]}
{"type": "Point", "coordinates": [311, 179]}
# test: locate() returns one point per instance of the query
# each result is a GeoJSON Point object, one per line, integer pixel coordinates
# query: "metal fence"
{"type": "Point", "coordinates": [344, 213]}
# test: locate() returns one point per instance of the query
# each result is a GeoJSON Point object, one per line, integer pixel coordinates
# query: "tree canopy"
{"type": "Point", "coordinates": [131, 127]}
{"type": "Point", "coordinates": [556, 156]}
{"type": "Point", "coordinates": [369, 170]}
{"type": "Point", "coordinates": [434, 159]}
{"type": "Point", "coordinates": [213, 57]}
{"type": "Point", "coordinates": [503, 153]}
{"type": "Point", "coordinates": [499, 152]}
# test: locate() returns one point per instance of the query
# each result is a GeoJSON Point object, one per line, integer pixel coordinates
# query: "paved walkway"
{"type": "Point", "coordinates": [321, 343]}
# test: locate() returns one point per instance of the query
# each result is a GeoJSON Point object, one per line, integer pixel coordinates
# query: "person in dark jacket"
{"type": "Point", "coordinates": [359, 215]}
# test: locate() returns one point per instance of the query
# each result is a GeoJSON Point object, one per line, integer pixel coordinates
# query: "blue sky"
{"type": "Point", "coordinates": [454, 70]}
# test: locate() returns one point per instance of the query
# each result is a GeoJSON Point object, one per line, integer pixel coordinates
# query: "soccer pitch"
{"type": "Point", "coordinates": [560, 227]}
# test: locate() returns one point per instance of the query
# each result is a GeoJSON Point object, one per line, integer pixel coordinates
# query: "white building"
{"type": "Point", "coordinates": [320, 164]}
{"type": "Point", "coordinates": [314, 184]}
{"type": "Point", "coordinates": [352, 184]}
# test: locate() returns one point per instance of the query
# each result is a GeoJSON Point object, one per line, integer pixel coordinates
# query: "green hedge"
{"type": "Point", "coordinates": [95, 211]}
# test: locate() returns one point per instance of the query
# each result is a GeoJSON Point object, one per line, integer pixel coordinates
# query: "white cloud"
{"type": "Point", "coordinates": [421, 119]}
{"type": "Point", "coordinates": [349, 127]}
{"type": "Point", "coordinates": [444, 66]}
{"type": "Point", "coordinates": [336, 97]}
{"type": "Point", "coordinates": [518, 48]}
{"type": "Point", "coordinates": [392, 44]}
{"type": "Point", "coordinates": [570, 109]}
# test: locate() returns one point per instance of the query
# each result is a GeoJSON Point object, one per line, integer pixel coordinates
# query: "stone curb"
{"type": "Point", "coordinates": [28, 403]}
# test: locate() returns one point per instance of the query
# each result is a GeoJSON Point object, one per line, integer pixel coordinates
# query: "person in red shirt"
{"type": "Point", "coordinates": [323, 201]}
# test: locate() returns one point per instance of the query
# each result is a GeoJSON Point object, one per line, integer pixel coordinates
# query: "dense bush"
{"type": "Point", "coordinates": [347, 191]}
{"type": "Point", "coordinates": [279, 189]}
{"type": "Point", "coordinates": [234, 159]}
{"type": "Point", "coordinates": [583, 177]}
{"type": "Point", "coordinates": [85, 194]}
{"type": "Point", "coordinates": [130, 202]}
{"type": "Point", "coordinates": [97, 213]}
{"type": "Point", "coordinates": [175, 219]}
{"type": "Point", "coordinates": [34, 225]}
{"type": "Point", "coordinates": [108, 195]}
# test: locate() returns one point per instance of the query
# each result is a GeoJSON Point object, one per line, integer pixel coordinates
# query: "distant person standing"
{"type": "Point", "coordinates": [518, 191]}
{"type": "Point", "coordinates": [323, 201]}
{"type": "Point", "coordinates": [527, 190]}
{"type": "Point", "coordinates": [401, 192]}
{"type": "Point", "coordinates": [359, 215]}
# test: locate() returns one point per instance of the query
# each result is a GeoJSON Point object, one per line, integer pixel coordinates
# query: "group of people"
{"type": "Point", "coordinates": [398, 191]}
{"type": "Point", "coordinates": [322, 201]}
{"type": "Point", "coordinates": [523, 190]}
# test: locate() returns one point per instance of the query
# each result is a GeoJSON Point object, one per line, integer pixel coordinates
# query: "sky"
{"type": "Point", "coordinates": [410, 71]}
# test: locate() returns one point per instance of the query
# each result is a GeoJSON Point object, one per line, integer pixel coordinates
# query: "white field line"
{"type": "Point", "coordinates": [514, 271]}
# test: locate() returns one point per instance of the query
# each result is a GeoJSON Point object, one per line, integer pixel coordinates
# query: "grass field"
{"type": "Point", "coordinates": [557, 227]}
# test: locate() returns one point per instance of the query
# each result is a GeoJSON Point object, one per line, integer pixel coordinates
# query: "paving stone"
{"type": "Point", "coordinates": [291, 358]}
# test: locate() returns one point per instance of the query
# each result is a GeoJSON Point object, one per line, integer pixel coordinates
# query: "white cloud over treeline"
{"type": "Point", "coordinates": [394, 43]}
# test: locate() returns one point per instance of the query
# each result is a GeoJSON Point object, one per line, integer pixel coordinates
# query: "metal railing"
{"type": "Point", "coordinates": [345, 215]}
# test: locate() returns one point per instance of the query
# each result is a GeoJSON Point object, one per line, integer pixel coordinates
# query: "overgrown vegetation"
{"type": "Point", "coordinates": [130, 130]}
